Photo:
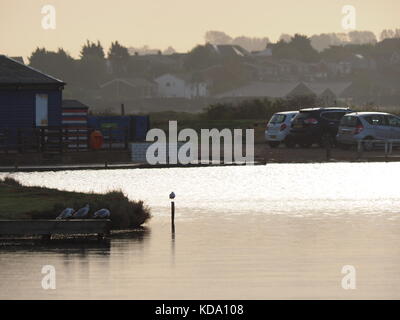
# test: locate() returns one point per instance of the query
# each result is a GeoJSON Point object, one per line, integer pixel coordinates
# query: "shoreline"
{"type": "Point", "coordinates": [42, 203]}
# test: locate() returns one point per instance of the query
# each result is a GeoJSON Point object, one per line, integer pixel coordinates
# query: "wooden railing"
{"type": "Point", "coordinates": [58, 140]}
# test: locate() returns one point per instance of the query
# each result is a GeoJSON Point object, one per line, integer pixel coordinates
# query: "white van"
{"type": "Point", "coordinates": [278, 127]}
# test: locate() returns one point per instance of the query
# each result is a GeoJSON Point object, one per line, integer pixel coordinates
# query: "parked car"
{"type": "Point", "coordinates": [366, 127]}
{"type": "Point", "coordinates": [278, 127]}
{"type": "Point", "coordinates": [316, 125]}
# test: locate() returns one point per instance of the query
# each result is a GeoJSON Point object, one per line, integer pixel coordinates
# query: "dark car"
{"type": "Point", "coordinates": [316, 125]}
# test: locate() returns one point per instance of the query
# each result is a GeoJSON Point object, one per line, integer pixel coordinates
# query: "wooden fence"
{"type": "Point", "coordinates": [59, 139]}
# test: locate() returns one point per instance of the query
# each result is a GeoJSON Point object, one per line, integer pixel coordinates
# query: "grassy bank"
{"type": "Point", "coordinates": [21, 202]}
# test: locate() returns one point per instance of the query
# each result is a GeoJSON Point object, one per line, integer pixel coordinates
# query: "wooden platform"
{"type": "Point", "coordinates": [47, 228]}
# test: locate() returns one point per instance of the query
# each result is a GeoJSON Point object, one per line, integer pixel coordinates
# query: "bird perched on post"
{"type": "Point", "coordinates": [102, 214]}
{"type": "Point", "coordinates": [81, 213]}
{"type": "Point", "coordinates": [66, 214]}
{"type": "Point", "coordinates": [172, 195]}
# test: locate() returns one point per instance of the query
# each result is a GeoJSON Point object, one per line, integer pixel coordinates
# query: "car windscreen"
{"type": "Point", "coordinates": [278, 118]}
{"type": "Point", "coordinates": [349, 121]}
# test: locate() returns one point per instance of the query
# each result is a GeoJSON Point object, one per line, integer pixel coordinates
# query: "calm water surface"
{"type": "Point", "coordinates": [257, 232]}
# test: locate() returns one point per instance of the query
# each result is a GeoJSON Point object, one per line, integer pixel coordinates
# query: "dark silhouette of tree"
{"type": "Point", "coordinates": [298, 48]}
{"type": "Point", "coordinates": [92, 66]}
{"type": "Point", "coordinates": [58, 64]}
{"type": "Point", "coordinates": [91, 49]}
{"type": "Point", "coordinates": [119, 58]}
{"type": "Point", "coordinates": [201, 57]}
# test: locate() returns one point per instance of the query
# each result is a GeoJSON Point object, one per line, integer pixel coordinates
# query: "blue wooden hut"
{"type": "Point", "coordinates": [28, 98]}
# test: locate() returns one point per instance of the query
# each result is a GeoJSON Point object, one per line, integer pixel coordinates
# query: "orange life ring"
{"type": "Point", "coordinates": [96, 140]}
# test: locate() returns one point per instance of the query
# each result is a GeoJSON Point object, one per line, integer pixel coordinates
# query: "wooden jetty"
{"type": "Point", "coordinates": [47, 228]}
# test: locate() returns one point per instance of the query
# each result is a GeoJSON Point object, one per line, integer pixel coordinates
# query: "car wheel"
{"type": "Point", "coordinates": [368, 144]}
{"type": "Point", "coordinates": [290, 143]}
{"type": "Point", "coordinates": [274, 144]}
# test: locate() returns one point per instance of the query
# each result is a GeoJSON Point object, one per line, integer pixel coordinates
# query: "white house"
{"type": "Point", "coordinates": [180, 86]}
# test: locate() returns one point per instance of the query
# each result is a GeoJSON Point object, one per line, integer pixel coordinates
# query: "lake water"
{"type": "Point", "coordinates": [255, 232]}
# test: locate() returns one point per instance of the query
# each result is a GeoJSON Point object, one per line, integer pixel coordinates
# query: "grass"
{"type": "Point", "coordinates": [22, 202]}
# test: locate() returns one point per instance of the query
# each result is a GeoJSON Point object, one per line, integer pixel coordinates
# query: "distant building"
{"type": "Point", "coordinates": [328, 93]}
{"type": "Point", "coordinates": [267, 90]}
{"type": "Point", "coordinates": [229, 50]}
{"type": "Point", "coordinates": [181, 86]}
{"type": "Point", "coordinates": [133, 88]}
{"type": "Point", "coordinates": [28, 98]}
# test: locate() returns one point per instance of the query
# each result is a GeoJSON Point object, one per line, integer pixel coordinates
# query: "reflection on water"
{"type": "Point", "coordinates": [275, 231]}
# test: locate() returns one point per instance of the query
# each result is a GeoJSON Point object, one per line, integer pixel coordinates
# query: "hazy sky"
{"type": "Point", "coordinates": [179, 23]}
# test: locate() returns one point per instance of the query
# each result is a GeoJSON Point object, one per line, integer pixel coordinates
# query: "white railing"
{"type": "Point", "coordinates": [388, 145]}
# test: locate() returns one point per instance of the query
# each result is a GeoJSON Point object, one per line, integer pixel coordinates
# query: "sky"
{"type": "Point", "coordinates": [177, 23]}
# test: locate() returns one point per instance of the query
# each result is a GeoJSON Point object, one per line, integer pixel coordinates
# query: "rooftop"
{"type": "Point", "coordinates": [15, 72]}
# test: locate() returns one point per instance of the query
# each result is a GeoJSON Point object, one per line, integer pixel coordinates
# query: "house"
{"type": "Point", "coordinates": [181, 86]}
{"type": "Point", "coordinates": [265, 71]}
{"type": "Point", "coordinates": [28, 98]}
{"type": "Point", "coordinates": [267, 52]}
{"type": "Point", "coordinates": [229, 50]}
{"type": "Point", "coordinates": [353, 62]}
{"type": "Point", "coordinates": [260, 89]}
{"type": "Point", "coordinates": [327, 93]}
{"type": "Point", "coordinates": [133, 88]}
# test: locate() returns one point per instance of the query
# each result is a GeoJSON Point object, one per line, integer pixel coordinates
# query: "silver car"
{"type": "Point", "coordinates": [278, 127]}
{"type": "Point", "coordinates": [366, 127]}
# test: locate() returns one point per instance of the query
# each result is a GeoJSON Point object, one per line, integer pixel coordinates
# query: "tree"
{"type": "Point", "coordinates": [251, 44]}
{"type": "Point", "coordinates": [325, 40]}
{"type": "Point", "coordinates": [92, 66]}
{"type": "Point", "coordinates": [201, 57]}
{"type": "Point", "coordinates": [169, 50]}
{"type": "Point", "coordinates": [119, 58]}
{"type": "Point", "coordinates": [285, 37]}
{"type": "Point", "coordinates": [217, 37]}
{"type": "Point", "coordinates": [389, 34]}
{"type": "Point", "coordinates": [362, 37]}
{"type": "Point", "coordinates": [248, 43]}
{"type": "Point", "coordinates": [91, 49]}
{"type": "Point", "coordinates": [58, 64]}
{"type": "Point", "coordinates": [298, 48]}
